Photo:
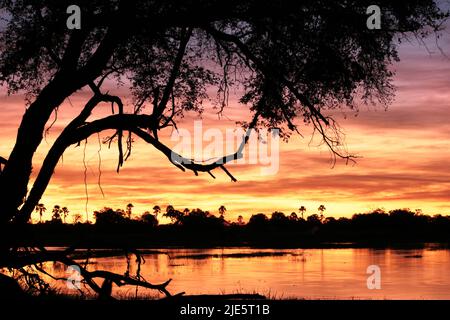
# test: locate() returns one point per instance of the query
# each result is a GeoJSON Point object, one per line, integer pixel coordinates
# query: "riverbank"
{"type": "Point", "coordinates": [173, 236]}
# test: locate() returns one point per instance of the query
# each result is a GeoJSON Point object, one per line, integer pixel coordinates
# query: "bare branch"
{"type": "Point", "coordinates": [42, 255]}
{"type": "Point", "coordinates": [78, 130]}
{"type": "Point", "coordinates": [56, 151]}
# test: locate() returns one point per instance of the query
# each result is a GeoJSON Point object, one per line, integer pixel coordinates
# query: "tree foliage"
{"type": "Point", "coordinates": [292, 61]}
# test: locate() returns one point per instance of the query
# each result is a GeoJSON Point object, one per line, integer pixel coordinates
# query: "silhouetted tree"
{"type": "Point", "coordinates": [314, 219]}
{"type": "Point", "coordinates": [149, 219]}
{"type": "Point", "coordinates": [222, 211]}
{"type": "Point", "coordinates": [240, 220]}
{"type": "Point", "coordinates": [321, 210]}
{"type": "Point", "coordinates": [302, 210]}
{"type": "Point", "coordinates": [156, 211]}
{"type": "Point", "coordinates": [278, 216]}
{"type": "Point", "coordinates": [293, 60]}
{"type": "Point", "coordinates": [198, 219]}
{"type": "Point", "coordinates": [329, 220]}
{"type": "Point", "coordinates": [65, 213]}
{"type": "Point", "coordinates": [129, 210]}
{"type": "Point", "coordinates": [174, 215]}
{"type": "Point", "coordinates": [56, 213]}
{"type": "Point", "coordinates": [165, 62]}
{"type": "Point", "coordinates": [279, 219]}
{"type": "Point", "coordinates": [169, 208]}
{"type": "Point", "coordinates": [293, 216]}
{"type": "Point", "coordinates": [76, 218]}
{"type": "Point", "coordinates": [198, 213]}
{"type": "Point", "coordinates": [258, 220]}
{"type": "Point", "coordinates": [40, 208]}
{"type": "Point", "coordinates": [108, 216]}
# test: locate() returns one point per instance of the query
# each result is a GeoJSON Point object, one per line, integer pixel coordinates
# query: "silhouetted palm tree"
{"type": "Point", "coordinates": [129, 210]}
{"type": "Point", "coordinates": [186, 211]}
{"type": "Point", "coordinates": [302, 210]}
{"type": "Point", "coordinates": [40, 208]}
{"type": "Point", "coordinates": [56, 213]}
{"type": "Point", "coordinates": [240, 220]}
{"type": "Point", "coordinates": [156, 211]}
{"type": "Point", "coordinates": [321, 210]}
{"type": "Point", "coordinates": [222, 211]}
{"type": "Point", "coordinates": [65, 213]}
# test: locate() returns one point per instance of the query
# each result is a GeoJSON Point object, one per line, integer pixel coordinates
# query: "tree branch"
{"type": "Point", "coordinates": [21, 259]}
{"type": "Point", "coordinates": [174, 73]}
{"type": "Point", "coordinates": [266, 69]}
{"type": "Point", "coordinates": [315, 114]}
{"type": "Point", "coordinates": [138, 123]}
{"type": "Point", "coordinates": [57, 150]}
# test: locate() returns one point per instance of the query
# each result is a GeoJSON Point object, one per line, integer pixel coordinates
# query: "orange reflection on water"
{"type": "Point", "coordinates": [289, 273]}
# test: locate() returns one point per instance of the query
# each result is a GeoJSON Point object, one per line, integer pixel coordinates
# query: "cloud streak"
{"type": "Point", "coordinates": [406, 153]}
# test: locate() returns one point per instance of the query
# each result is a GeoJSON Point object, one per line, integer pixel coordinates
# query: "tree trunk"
{"type": "Point", "coordinates": [16, 174]}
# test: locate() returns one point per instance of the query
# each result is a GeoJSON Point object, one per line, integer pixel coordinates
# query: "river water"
{"type": "Point", "coordinates": [287, 273]}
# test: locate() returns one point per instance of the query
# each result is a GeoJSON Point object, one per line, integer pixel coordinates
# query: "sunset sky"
{"type": "Point", "coordinates": [405, 157]}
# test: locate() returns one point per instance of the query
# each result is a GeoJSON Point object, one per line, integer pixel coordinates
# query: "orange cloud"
{"type": "Point", "coordinates": [405, 159]}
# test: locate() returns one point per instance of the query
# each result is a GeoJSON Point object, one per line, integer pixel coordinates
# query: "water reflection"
{"type": "Point", "coordinates": [290, 273]}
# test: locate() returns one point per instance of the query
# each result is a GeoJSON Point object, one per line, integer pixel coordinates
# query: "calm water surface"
{"type": "Point", "coordinates": [290, 273]}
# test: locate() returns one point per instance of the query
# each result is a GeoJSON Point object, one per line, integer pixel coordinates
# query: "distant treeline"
{"type": "Point", "coordinates": [119, 228]}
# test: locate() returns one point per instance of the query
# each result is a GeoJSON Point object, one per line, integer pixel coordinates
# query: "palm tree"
{"type": "Point", "coordinates": [222, 211]}
{"type": "Point", "coordinates": [65, 213]}
{"type": "Point", "coordinates": [156, 211]}
{"type": "Point", "coordinates": [56, 213]}
{"type": "Point", "coordinates": [186, 211]}
{"type": "Point", "coordinates": [240, 220]}
{"type": "Point", "coordinates": [40, 208]}
{"type": "Point", "coordinates": [302, 210]}
{"type": "Point", "coordinates": [129, 209]}
{"type": "Point", "coordinates": [321, 210]}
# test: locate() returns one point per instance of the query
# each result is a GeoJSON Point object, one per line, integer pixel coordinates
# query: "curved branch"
{"type": "Point", "coordinates": [78, 130]}
{"type": "Point", "coordinates": [57, 150]}
{"type": "Point", "coordinates": [136, 124]}
{"type": "Point", "coordinates": [33, 258]}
